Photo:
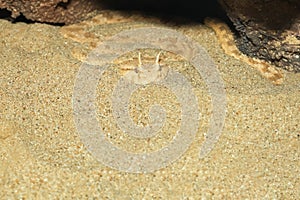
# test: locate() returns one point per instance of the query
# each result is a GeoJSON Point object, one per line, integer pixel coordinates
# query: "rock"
{"type": "Point", "coordinates": [54, 11]}
{"type": "Point", "coordinates": [267, 29]}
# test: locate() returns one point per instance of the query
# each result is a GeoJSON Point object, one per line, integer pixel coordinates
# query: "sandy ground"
{"type": "Point", "coordinates": [42, 156]}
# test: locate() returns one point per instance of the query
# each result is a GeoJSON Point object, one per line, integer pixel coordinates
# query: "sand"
{"type": "Point", "coordinates": [43, 157]}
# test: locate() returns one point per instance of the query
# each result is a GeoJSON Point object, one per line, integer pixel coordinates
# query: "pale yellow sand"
{"type": "Point", "coordinates": [42, 156]}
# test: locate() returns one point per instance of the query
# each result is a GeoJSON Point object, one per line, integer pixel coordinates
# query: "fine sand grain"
{"type": "Point", "coordinates": [42, 156]}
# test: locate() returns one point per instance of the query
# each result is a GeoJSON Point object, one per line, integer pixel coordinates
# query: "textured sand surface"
{"type": "Point", "coordinates": [42, 156]}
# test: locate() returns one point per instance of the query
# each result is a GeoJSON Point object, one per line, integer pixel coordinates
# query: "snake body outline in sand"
{"type": "Point", "coordinates": [143, 38]}
{"type": "Point", "coordinates": [226, 39]}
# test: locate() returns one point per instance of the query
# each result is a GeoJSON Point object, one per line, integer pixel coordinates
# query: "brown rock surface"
{"type": "Point", "coordinates": [53, 11]}
{"type": "Point", "coordinates": [269, 30]}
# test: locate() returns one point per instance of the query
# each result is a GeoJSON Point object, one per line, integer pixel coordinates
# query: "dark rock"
{"type": "Point", "coordinates": [51, 11]}
{"type": "Point", "coordinates": [267, 29]}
